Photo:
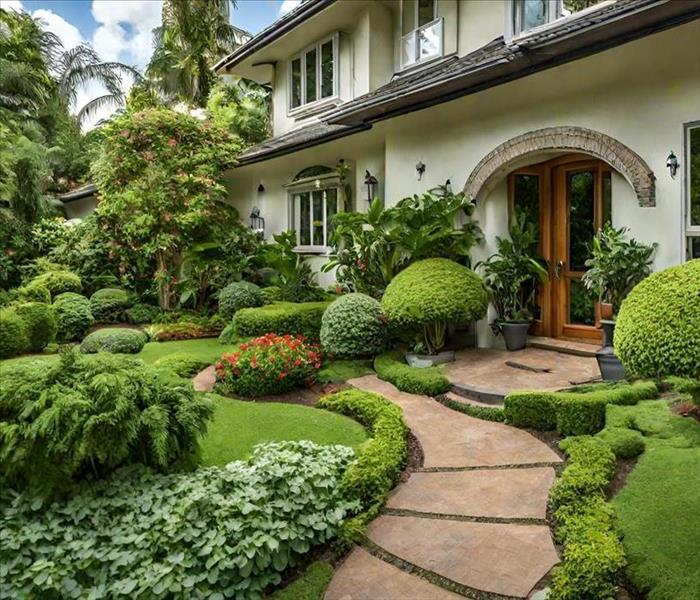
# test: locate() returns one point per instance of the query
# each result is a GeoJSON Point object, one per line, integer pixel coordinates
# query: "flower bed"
{"type": "Point", "coordinates": [270, 364]}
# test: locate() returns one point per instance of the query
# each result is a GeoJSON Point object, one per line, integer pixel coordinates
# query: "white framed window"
{"type": "Point", "coordinates": [691, 171]}
{"type": "Point", "coordinates": [421, 32]}
{"type": "Point", "coordinates": [313, 202]}
{"type": "Point", "coordinates": [525, 15]}
{"type": "Point", "coordinates": [313, 74]}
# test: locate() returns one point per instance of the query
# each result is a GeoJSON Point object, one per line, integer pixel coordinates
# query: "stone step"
{"type": "Point", "coordinates": [563, 346]}
{"type": "Point", "coordinates": [476, 396]}
{"type": "Point", "coordinates": [467, 398]}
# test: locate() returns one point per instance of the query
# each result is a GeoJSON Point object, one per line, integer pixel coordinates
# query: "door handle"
{"type": "Point", "coordinates": [558, 268]}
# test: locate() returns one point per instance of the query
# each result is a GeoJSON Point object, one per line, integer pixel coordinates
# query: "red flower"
{"type": "Point", "coordinates": [172, 142]}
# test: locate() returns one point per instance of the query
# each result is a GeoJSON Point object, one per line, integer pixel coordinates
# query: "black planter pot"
{"type": "Point", "coordinates": [514, 333]}
{"type": "Point", "coordinates": [611, 368]}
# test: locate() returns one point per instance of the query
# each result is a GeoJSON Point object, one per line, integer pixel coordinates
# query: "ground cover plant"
{"type": "Point", "coordinates": [117, 340]}
{"type": "Point", "coordinates": [303, 318]}
{"type": "Point", "coordinates": [336, 371]}
{"type": "Point", "coordinates": [183, 364]}
{"type": "Point", "coordinates": [203, 534]}
{"type": "Point", "coordinates": [429, 381]}
{"type": "Point", "coordinates": [354, 325]}
{"type": "Point", "coordinates": [311, 585]}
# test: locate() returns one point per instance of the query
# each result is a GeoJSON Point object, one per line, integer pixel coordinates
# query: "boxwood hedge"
{"type": "Point", "coordinates": [109, 305]}
{"type": "Point", "coordinates": [392, 367]}
{"type": "Point", "coordinates": [237, 295]}
{"type": "Point", "coordinates": [57, 282]}
{"type": "Point", "coordinates": [73, 316]}
{"type": "Point", "coordinates": [302, 318]}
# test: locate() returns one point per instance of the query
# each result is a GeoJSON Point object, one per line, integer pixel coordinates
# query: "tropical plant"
{"type": "Point", "coordinates": [17, 246]}
{"type": "Point", "coordinates": [616, 265]}
{"type": "Point", "coordinates": [514, 272]}
{"type": "Point", "coordinates": [294, 276]}
{"type": "Point", "coordinates": [243, 108]}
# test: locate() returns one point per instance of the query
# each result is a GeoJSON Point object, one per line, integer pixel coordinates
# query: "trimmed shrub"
{"type": "Point", "coordinates": [228, 335]}
{"type": "Point", "coordinates": [40, 323]}
{"type": "Point", "coordinates": [109, 305]}
{"type": "Point", "coordinates": [237, 295]}
{"type": "Point", "coordinates": [140, 314]}
{"type": "Point", "coordinates": [281, 318]}
{"type": "Point", "coordinates": [656, 333]}
{"type": "Point", "coordinates": [73, 316]}
{"type": "Point", "coordinates": [115, 340]}
{"type": "Point", "coordinates": [432, 293]}
{"type": "Point", "coordinates": [625, 443]}
{"type": "Point", "coordinates": [353, 325]}
{"type": "Point", "coordinates": [271, 294]}
{"type": "Point", "coordinates": [569, 412]}
{"type": "Point", "coordinates": [182, 364]}
{"type": "Point", "coordinates": [371, 477]}
{"type": "Point", "coordinates": [8, 297]}
{"type": "Point", "coordinates": [35, 293]}
{"type": "Point", "coordinates": [486, 413]}
{"type": "Point", "coordinates": [167, 332]}
{"type": "Point", "coordinates": [212, 533]}
{"type": "Point", "coordinates": [85, 416]}
{"type": "Point", "coordinates": [13, 334]}
{"type": "Point", "coordinates": [57, 282]}
{"type": "Point", "coordinates": [391, 367]}
{"type": "Point", "coordinates": [270, 364]}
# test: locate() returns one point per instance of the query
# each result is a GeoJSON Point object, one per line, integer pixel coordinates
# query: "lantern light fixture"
{"type": "Point", "coordinates": [257, 223]}
{"type": "Point", "coordinates": [672, 164]}
{"type": "Point", "coordinates": [420, 169]}
{"type": "Point", "coordinates": [371, 185]}
{"type": "Point", "coordinates": [261, 188]}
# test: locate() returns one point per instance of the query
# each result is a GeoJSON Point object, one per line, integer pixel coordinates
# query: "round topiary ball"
{"type": "Point", "coordinates": [73, 316]}
{"type": "Point", "coordinates": [657, 332]}
{"type": "Point", "coordinates": [115, 340]}
{"type": "Point", "coordinates": [353, 325]}
{"type": "Point", "coordinates": [13, 333]}
{"type": "Point", "coordinates": [40, 322]}
{"type": "Point", "coordinates": [435, 290]}
{"type": "Point", "coordinates": [237, 295]}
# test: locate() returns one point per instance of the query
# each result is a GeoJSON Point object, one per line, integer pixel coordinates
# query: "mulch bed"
{"type": "Point", "coordinates": [307, 396]}
{"type": "Point", "coordinates": [624, 468]}
{"type": "Point", "coordinates": [415, 457]}
{"type": "Point", "coordinates": [551, 438]}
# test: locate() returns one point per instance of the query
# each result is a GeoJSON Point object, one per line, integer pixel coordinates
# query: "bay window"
{"type": "Point", "coordinates": [421, 31]}
{"type": "Point", "coordinates": [313, 73]}
{"type": "Point", "coordinates": [692, 189]}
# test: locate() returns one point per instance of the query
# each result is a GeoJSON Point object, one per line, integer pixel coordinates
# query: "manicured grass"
{"type": "Point", "coordinates": [311, 585]}
{"type": "Point", "coordinates": [205, 349]}
{"type": "Point", "coordinates": [336, 371]}
{"type": "Point", "coordinates": [237, 426]}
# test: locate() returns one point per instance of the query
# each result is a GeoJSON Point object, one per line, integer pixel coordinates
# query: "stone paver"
{"type": "Point", "coordinates": [498, 558]}
{"type": "Point", "coordinates": [364, 577]}
{"type": "Point", "coordinates": [452, 439]}
{"type": "Point", "coordinates": [477, 493]}
{"type": "Point", "coordinates": [204, 380]}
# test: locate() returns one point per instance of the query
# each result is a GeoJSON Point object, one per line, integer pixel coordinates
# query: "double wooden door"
{"type": "Point", "coordinates": [569, 198]}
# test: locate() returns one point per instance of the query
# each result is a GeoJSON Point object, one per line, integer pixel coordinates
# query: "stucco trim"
{"type": "Point", "coordinates": [497, 163]}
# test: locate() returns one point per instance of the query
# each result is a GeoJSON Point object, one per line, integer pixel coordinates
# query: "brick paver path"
{"type": "Point", "coordinates": [469, 523]}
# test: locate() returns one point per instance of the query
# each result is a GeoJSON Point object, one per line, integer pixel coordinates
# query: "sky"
{"type": "Point", "coordinates": [121, 30]}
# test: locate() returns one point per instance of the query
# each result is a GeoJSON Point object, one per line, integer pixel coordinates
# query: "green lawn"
{"type": "Point", "coordinates": [336, 371]}
{"type": "Point", "coordinates": [205, 349]}
{"type": "Point", "coordinates": [311, 584]}
{"type": "Point", "coordinates": [238, 426]}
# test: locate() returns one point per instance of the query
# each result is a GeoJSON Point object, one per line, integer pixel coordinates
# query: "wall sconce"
{"type": "Point", "coordinates": [371, 184]}
{"type": "Point", "coordinates": [420, 169]}
{"type": "Point", "coordinates": [261, 189]}
{"type": "Point", "coordinates": [257, 223]}
{"type": "Point", "coordinates": [448, 186]}
{"type": "Point", "coordinates": [672, 164]}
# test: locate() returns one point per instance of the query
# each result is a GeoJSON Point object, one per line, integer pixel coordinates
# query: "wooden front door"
{"type": "Point", "coordinates": [569, 198]}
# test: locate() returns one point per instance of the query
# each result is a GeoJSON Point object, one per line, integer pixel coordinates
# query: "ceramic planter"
{"type": "Point", "coordinates": [514, 333]}
{"type": "Point", "coordinates": [606, 310]}
{"type": "Point", "coordinates": [421, 361]}
{"type": "Point", "coordinates": [611, 368]}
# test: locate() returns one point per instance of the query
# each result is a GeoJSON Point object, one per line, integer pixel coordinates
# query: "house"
{"type": "Point", "coordinates": [579, 111]}
{"type": "Point", "coordinates": [80, 202]}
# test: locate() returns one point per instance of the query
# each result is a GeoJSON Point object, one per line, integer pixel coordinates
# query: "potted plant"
{"type": "Point", "coordinates": [512, 276]}
{"type": "Point", "coordinates": [616, 265]}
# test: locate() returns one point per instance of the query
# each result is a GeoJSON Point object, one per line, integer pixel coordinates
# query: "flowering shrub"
{"type": "Point", "coordinates": [270, 364]}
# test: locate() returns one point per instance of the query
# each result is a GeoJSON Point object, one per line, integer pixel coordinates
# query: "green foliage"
{"type": "Point", "coordinates": [140, 313]}
{"type": "Point", "coordinates": [242, 108]}
{"type": "Point", "coordinates": [432, 293]}
{"type": "Point", "coordinates": [228, 334]}
{"type": "Point", "coordinates": [213, 533]}
{"type": "Point", "coordinates": [40, 324]}
{"type": "Point", "coordinates": [429, 381]}
{"type": "Point", "coordinates": [616, 265]}
{"type": "Point", "coordinates": [35, 293]}
{"type": "Point", "coordinates": [183, 330]}
{"type": "Point", "coordinates": [369, 249]}
{"type": "Point", "coordinates": [182, 364]}
{"type": "Point", "coordinates": [310, 585]}
{"type": "Point", "coordinates": [337, 371]}
{"type": "Point", "coordinates": [73, 316]}
{"type": "Point", "coordinates": [569, 412]}
{"type": "Point", "coordinates": [57, 282]}
{"type": "Point", "coordinates": [625, 443]}
{"type": "Point", "coordinates": [271, 294]}
{"type": "Point", "coordinates": [371, 477]}
{"type": "Point", "coordinates": [656, 334]}
{"type": "Point", "coordinates": [685, 385]}
{"type": "Point", "coordinates": [17, 244]}
{"type": "Point", "coordinates": [13, 333]}
{"type": "Point", "coordinates": [116, 340]}
{"type": "Point", "coordinates": [85, 416]}
{"type": "Point", "coordinates": [109, 305]}
{"type": "Point", "coordinates": [281, 317]}
{"type": "Point", "coordinates": [237, 295]}
{"type": "Point", "coordinates": [487, 413]}
{"type": "Point", "coordinates": [353, 325]}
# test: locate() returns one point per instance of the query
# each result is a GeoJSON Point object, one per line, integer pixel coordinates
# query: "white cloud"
{"type": "Point", "coordinates": [288, 6]}
{"type": "Point", "coordinates": [69, 34]}
{"type": "Point", "coordinates": [15, 5]}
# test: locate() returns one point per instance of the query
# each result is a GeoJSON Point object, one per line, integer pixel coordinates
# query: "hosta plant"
{"type": "Point", "coordinates": [270, 364]}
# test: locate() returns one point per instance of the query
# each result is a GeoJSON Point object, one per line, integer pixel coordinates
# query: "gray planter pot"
{"type": "Point", "coordinates": [421, 361]}
{"type": "Point", "coordinates": [611, 368]}
{"type": "Point", "coordinates": [514, 333]}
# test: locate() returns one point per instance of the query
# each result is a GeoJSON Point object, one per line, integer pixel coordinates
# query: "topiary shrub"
{"type": "Point", "coordinates": [13, 334]}
{"type": "Point", "coordinates": [392, 367]}
{"type": "Point", "coordinates": [167, 332]}
{"type": "Point", "coordinates": [625, 443]}
{"type": "Point", "coordinates": [271, 294]}
{"type": "Point", "coordinates": [57, 282]}
{"type": "Point", "coordinates": [73, 316]}
{"type": "Point", "coordinates": [432, 293]}
{"type": "Point", "coordinates": [281, 318]}
{"type": "Point", "coordinates": [115, 340]}
{"type": "Point", "coordinates": [35, 293]}
{"type": "Point", "coordinates": [353, 325]}
{"type": "Point", "coordinates": [140, 314]}
{"type": "Point", "coordinates": [109, 305]}
{"type": "Point", "coordinates": [237, 295]}
{"type": "Point", "coordinates": [656, 334]}
{"type": "Point", "coordinates": [228, 335]}
{"type": "Point", "coordinates": [40, 323]}
{"type": "Point", "coordinates": [182, 364]}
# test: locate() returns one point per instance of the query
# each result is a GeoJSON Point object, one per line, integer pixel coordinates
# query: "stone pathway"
{"type": "Point", "coordinates": [204, 380]}
{"type": "Point", "coordinates": [469, 523]}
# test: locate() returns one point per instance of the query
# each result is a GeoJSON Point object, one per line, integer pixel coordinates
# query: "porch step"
{"type": "Point", "coordinates": [496, 402]}
{"type": "Point", "coordinates": [563, 346]}
{"type": "Point", "coordinates": [475, 396]}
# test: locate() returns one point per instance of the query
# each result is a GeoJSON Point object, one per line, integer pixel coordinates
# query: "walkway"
{"type": "Point", "coordinates": [469, 523]}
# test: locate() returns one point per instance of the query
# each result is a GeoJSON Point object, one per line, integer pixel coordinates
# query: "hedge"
{"type": "Point", "coordinates": [183, 364]}
{"type": "Point", "coordinates": [73, 316]}
{"type": "Point", "coordinates": [429, 381]}
{"type": "Point", "coordinates": [40, 322]}
{"type": "Point", "coordinates": [167, 332]}
{"type": "Point", "coordinates": [572, 413]}
{"type": "Point", "coordinates": [487, 413]}
{"type": "Point", "coordinates": [34, 293]}
{"type": "Point", "coordinates": [625, 443]}
{"type": "Point", "coordinates": [370, 478]}
{"type": "Point", "coordinates": [593, 554]}
{"type": "Point", "coordinates": [57, 282]}
{"type": "Point", "coordinates": [115, 340]}
{"type": "Point", "coordinates": [109, 305]}
{"type": "Point", "coordinates": [13, 333]}
{"type": "Point", "coordinates": [281, 318]}
{"type": "Point", "coordinates": [354, 325]}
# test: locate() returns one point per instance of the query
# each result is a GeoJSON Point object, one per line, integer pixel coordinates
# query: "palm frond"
{"type": "Point", "coordinates": [96, 104]}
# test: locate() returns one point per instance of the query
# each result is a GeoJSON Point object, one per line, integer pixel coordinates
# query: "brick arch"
{"type": "Point", "coordinates": [497, 163]}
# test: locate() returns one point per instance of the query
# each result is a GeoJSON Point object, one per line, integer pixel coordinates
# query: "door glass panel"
{"type": "Point", "coordinates": [580, 192]}
{"type": "Point", "coordinates": [607, 198]}
{"type": "Point", "coordinates": [304, 219]}
{"type": "Point", "coordinates": [526, 197]}
{"type": "Point", "coordinates": [408, 48]}
{"type": "Point", "coordinates": [331, 209]}
{"type": "Point", "coordinates": [327, 69]}
{"type": "Point", "coordinates": [581, 304]}
{"type": "Point", "coordinates": [318, 218]}
{"type": "Point", "coordinates": [311, 75]}
{"type": "Point", "coordinates": [296, 82]}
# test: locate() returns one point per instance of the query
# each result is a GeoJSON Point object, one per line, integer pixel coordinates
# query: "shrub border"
{"type": "Point", "coordinates": [391, 367]}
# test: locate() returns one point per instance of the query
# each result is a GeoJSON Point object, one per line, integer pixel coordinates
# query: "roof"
{"type": "Point", "coordinates": [497, 62]}
{"type": "Point", "coordinates": [89, 189]}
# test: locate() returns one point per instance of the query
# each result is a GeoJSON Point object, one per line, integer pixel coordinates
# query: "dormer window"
{"type": "Point", "coordinates": [421, 31]}
{"type": "Point", "coordinates": [529, 14]}
{"type": "Point", "coordinates": [313, 73]}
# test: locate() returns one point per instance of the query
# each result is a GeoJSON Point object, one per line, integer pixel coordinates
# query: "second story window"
{"type": "Point", "coordinates": [313, 74]}
{"type": "Point", "coordinates": [528, 14]}
{"type": "Point", "coordinates": [421, 31]}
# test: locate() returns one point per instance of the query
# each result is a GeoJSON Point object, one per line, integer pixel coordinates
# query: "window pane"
{"type": "Point", "coordinates": [311, 76]}
{"type": "Point", "coordinates": [530, 13]}
{"type": "Point", "coordinates": [331, 209]}
{"type": "Point", "coordinates": [296, 82]}
{"type": "Point", "coordinates": [693, 247]}
{"type": "Point", "coordinates": [572, 6]}
{"type": "Point", "coordinates": [526, 197]}
{"type": "Point", "coordinates": [408, 49]}
{"type": "Point", "coordinates": [429, 40]}
{"type": "Point", "coordinates": [581, 304]}
{"type": "Point", "coordinates": [304, 220]}
{"type": "Point", "coordinates": [581, 222]}
{"type": "Point", "coordinates": [694, 166]}
{"type": "Point", "coordinates": [607, 197]}
{"type": "Point", "coordinates": [408, 16]}
{"type": "Point", "coordinates": [327, 69]}
{"type": "Point", "coordinates": [318, 218]}
{"type": "Point", "coordinates": [426, 11]}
